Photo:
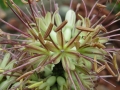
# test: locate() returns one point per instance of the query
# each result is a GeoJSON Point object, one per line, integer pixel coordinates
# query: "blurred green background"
{"type": "Point", "coordinates": [4, 6]}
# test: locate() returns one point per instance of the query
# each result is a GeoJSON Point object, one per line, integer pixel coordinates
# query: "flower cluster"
{"type": "Point", "coordinates": [55, 54]}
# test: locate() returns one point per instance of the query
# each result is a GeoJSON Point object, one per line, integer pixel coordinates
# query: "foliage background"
{"type": "Point", "coordinates": [4, 6]}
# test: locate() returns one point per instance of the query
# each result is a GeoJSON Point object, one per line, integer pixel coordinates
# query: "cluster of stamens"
{"type": "Point", "coordinates": [56, 55]}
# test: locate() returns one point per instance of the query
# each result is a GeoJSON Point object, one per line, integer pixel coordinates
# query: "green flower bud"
{"type": "Point", "coordinates": [5, 60]}
{"type": "Point", "coordinates": [60, 80]}
{"type": "Point", "coordinates": [58, 19]}
{"type": "Point", "coordinates": [47, 88]}
{"type": "Point", "coordinates": [37, 84]}
{"type": "Point", "coordinates": [51, 80]}
{"type": "Point", "coordinates": [43, 85]}
{"type": "Point", "coordinates": [5, 84]}
{"type": "Point", "coordinates": [47, 71]}
{"type": "Point", "coordinates": [71, 18]}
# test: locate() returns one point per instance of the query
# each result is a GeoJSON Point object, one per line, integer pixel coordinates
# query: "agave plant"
{"type": "Point", "coordinates": [56, 55]}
